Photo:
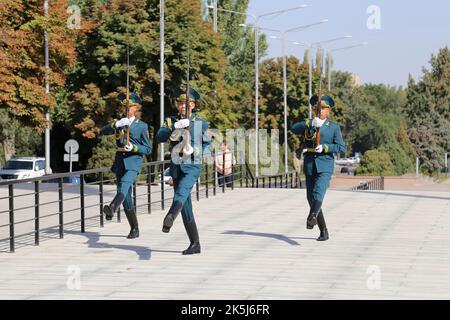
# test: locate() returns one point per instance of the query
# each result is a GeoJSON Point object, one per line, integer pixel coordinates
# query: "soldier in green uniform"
{"type": "Point", "coordinates": [128, 159]}
{"type": "Point", "coordinates": [319, 160]}
{"type": "Point", "coordinates": [186, 162]}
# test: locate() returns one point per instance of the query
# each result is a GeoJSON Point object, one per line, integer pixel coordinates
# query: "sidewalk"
{"type": "Point", "coordinates": [383, 245]}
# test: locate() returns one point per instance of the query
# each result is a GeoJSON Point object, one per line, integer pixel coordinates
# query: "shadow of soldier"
{"type": "Point", "coordinates": [276, 236]}
{"type": "Point", "coordinates": [93, 241]}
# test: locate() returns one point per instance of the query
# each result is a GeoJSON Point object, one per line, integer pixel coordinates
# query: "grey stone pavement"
{"type": "Point", "coordinates": [383, 245]}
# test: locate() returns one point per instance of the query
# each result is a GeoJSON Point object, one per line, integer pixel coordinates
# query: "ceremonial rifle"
{"type": "Point", "coordinates": [318, 110]}
{"type": "Point", "coordinates": [187, 150]}
{"type": "Point", "coordinates": [127, 101]}
{"type": "Point", "coordinates": [183, 135]}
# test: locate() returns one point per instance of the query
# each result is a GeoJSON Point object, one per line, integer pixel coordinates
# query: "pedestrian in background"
{"type": "Point", "coordinates": [224, 165]}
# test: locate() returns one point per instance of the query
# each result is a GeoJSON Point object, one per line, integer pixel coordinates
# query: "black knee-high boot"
{"type": "Point", "coordinates": [132, 220]}
{"type": "Point", "coordinates": [174, 211]}
{"type": "Point", "coordinates": [192, 232]}
{"type": "Point", "coordinates": [313, 213]}
{"type": "Point", "coordinates": [110, 209]}
{"type": "Point", "coordinates": [324, 236]}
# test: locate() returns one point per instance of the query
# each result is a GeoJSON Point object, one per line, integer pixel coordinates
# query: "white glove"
{"type": "Point", "coordinates": [182, 124]}
{"type": "Point", "coordinates": [128, 147]}
{"type": "Point", "coordinates": [188, 150]}
{"type": "Point", "coordinates": [123, 122]}
{"type": "Point", "coordinates": [319, 148]}
{"type": "Point", "coordinates": [317, 122]}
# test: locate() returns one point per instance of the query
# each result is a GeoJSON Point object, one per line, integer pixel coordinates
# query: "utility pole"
{"type": "Point", "coordinates": [215, 15]}
{"type": "Point", "coordinates": [161, 69]}
{"type": "Point", "coordinates": [47, 92]}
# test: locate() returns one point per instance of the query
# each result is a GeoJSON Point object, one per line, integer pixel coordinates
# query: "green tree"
{"type": "Point", "coordinates": [375, 163]}
{"type": "Point", "coordinates": [271, 93]}
{"type": "Point", "coordinates": [101, 71]}
{"type": "Point", "coordinates": [22, 89]}
{"type": "Point", "coordinates": [238, 45]}
{"type": "Point", "coordinates": [373, 120]}
{"type": "Point", "coordinates": [428, 112]}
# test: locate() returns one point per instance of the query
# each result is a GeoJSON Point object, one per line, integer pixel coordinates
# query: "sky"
{"type": "Point", "coordinates": [401, 38]}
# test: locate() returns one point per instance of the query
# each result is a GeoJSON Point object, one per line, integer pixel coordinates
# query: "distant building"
{"type": "Point", "coordinates": [356, 80]}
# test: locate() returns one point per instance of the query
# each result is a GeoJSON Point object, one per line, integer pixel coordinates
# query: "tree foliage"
{"type": "Point", "coordinates": [374, 121]}
{"type": "Point", "coordinates": [88, 69]}
{"type": "Point", "coordinates": [22, 89]}
{"type": "Point", "coordinates": [375, 163]}
{"type": "Point", "coordinates": [428, 112]}
{"type": "Point", "coordinates": [134, 26]}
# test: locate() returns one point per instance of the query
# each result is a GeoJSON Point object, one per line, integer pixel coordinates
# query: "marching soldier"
{"type": "Point", "coordinates": [185, 165]}
{"type": "Point", "coordinates": [319, 159]}
{"type": "Point", "coordinates": [128, 159]}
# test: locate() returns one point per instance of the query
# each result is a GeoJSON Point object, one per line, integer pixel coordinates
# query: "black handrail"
{"type": "Point", "coordinates": [374, 184]}
{"type": "Point", "coordinates": [154, 171]}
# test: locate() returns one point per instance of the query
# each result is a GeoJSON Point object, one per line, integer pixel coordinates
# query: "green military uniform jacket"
{"type": "Point", "coordinates": [139, 137]}
{"type": "Point", "coordinates": [199, 141]}
{"type": "Point", "coordinates": [330, 138]}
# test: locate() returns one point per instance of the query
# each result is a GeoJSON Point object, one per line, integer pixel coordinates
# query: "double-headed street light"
{"type": "Point", "coordinates": [257, 81]}
{"type": "Point", "coordinates": [316, 45]}
{"type": "Point", "coordinates": [283, 45]}
{"type": "Point", "coordinates": [256, 21]}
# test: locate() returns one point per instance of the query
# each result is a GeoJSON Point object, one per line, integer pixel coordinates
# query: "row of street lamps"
{"type": "Point", "coordinates": [317, 45]}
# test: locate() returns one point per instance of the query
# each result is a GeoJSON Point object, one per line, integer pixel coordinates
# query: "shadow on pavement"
{"type": "Point", "coordinates": [93, 241]}
{"type": "Point", "coordinates": [265, 235]}
{"type": "Point", "coordinates": [403, 195]}
{"type": "Point", "coordinates": [45, 234]}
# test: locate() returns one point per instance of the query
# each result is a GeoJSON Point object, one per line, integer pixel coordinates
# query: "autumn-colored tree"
{"type": "Point", "coordinates": [22, 69]}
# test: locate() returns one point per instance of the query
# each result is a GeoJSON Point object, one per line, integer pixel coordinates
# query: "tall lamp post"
{"type": "Point", "coordinates": [161, 69]}
{"type": "Point", "coordinates": [256, 21]}
{"type": "Point", "coordinates": [283, 46]}
{"type": "Point", "coordinates": [309, 46]}
{"type": "Point", "coordinates": [48, 170]}
{"type": "Point", "coordinates": [283, 38]}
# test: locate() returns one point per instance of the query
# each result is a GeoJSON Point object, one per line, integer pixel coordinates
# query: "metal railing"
{"type": "Point", "coordinates": [150, 192]}
{"type": "Point", "coordinates": [375, 184]}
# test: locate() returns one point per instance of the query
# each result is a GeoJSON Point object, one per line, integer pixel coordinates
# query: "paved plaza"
{"type": "Point", "coordinates": [383, 245]}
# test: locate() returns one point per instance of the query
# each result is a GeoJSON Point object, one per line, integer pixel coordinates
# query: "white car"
{"type": "Point", "coordinates": [353, 160]}
{"type": "Point", "coordinates": [23, 168]}
{"type": "Point", "coordinates": [342, 161]}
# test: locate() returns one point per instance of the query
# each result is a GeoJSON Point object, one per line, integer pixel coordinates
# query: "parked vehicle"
{"type": "Point", "coordinates": [23, 168]}
{"type": "Point", "coordinates": [353, 160]}
{"type": "Point", "coordinates": [342, 161]}
{"type": "Point", "coordinates": [347, 161]}
{"type": "Point", "coordinates": [348, 170]}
